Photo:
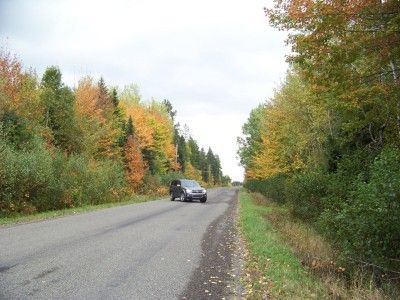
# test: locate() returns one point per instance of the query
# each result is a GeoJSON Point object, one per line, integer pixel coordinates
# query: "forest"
{"type": "Point", "coordinates": [63, 147]}
{"type": "Point", "coordinates": [327, 144]}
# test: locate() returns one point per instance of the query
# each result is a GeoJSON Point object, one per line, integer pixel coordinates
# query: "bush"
{"type": "Point", "coordinates": [367, 225]}
{"type": "Point", "coordinates": [166, 179]}
{"type": "Point", "coordinates": [79, 181]}
{"type": "Point", "coordinates": [24, 177]}
{"type": "Point", "coordinates": [304, 192]}
{"type": "Point", "coordinates": [273, 188]}
{"type": "Point", "coordinates": [35, 179]}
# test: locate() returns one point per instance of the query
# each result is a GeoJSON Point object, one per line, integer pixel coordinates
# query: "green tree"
{"type": "Point", "coordinates": [58, 101]}
{"type": "Point", "coordinates": [170, 109]}
{"type": "Point", "coordinates": [195, 157]}
{"type": "Point", "coordinates": [250, 143]}
{"type": "Point", "coordinates": [118, 119]}
{"type": "Point", "coordinates": [182, 153]}
{"type": "Point", "coordinates": [215, 166]}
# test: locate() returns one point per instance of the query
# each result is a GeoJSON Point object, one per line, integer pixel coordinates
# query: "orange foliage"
{"type": "Point", "coordinates": [18, 89]}
{"type": "Point", "coordinates": [143, 131]}
{"type": "Point", "coordinates": [154, 131]}
{"type": "Point", "coordinates": [94, 120]}
{"type": "Point", "coordinates": [86, 96]}
{"type": "Point", "coordinates": [12, 78]}
{"type": "Point", "coordinates": [136, 167]}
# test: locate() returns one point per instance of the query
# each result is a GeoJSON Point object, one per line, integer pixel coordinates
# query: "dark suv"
{"type": "Point", "coordinates": [187, 190]}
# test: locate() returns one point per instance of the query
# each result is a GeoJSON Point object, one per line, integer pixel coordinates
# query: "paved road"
{"type": "Point", "coordinates": [154, 250]}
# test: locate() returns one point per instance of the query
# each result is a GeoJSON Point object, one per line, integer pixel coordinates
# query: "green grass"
{"type": "Point", "coordinates": [19, 218]}
{"type": "Point", "coordinates": [273, 267]}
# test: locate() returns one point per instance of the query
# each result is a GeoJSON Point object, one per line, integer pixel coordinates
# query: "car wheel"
{"type": "Point", "coordinates": [172, 197]}
{"type": "Point", "coordinates": [183, 197]}
{"type": "Point", "coordinates": [202, 200]}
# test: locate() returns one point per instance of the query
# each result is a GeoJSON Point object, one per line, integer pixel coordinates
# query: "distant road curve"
{"type": "Point", "coordinates": [156, 250]}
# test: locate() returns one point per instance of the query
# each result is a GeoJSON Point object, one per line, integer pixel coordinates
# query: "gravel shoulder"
{"type": "Point", "coordinates": [218, 275]}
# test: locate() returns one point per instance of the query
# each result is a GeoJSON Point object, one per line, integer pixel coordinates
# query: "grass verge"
{"type": "Point", "coordinates": [20, 218]}
{"type": "Point", "coordinates": [292, 261]}
{"type": "Point", "coordinates": [273, 270]}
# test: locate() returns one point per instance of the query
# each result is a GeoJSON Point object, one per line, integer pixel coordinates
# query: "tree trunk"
{"type": "Point", "coordinates": [396, 78]}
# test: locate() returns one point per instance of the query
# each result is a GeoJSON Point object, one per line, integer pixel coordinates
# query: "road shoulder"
{"type": "Point", "coordinates": [218, 275]}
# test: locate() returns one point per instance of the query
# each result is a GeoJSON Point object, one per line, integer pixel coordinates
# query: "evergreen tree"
{"type": "Point", "coordinates": [104, 101]}
{"type": "Point", "coordinates": [204, 166]}
{"type": "Point", "coordinates": [195, 158]}
{"type": "Point", "coordinates": [58, 101]}
{"type": "Point", "coordinates": [119, 122]}
{"type": "Point", "coordinates": [114, 98]}
{"type": "Point", "coordinates": [215, 166]}
{"type": "Point", "coordinates": [182, 155]}
{"type": "Point", "coordinates": [170, 109]}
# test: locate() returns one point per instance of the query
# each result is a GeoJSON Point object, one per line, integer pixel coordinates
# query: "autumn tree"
{"type": "Point", "coordinates": [330, 134]}
{"type": "Point", "coordinates": [193, 173]}
{"type": "Point", "coordinates": [94, 117]}
{"type": "Point", "coordinates": [66, 148]}
{"type": "Point", "coordinates": [19, 90]}
{"type": "Point", "coordinates": [21, 110]}
{"type": "Point", "coordinates": [136, 167]}
{"type": "Point", "coordinates": [349, 51]}
{"type": "Point", "coordinates": [154, 130]}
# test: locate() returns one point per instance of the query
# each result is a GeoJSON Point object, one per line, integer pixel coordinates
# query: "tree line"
{"type": "Point", "coordinates": [328, 142]}
{"type": "Point", "coordinates": [65, 147]}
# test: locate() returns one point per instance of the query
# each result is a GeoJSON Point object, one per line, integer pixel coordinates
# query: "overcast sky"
{"type": "Point", "coordinates": [214, 60]}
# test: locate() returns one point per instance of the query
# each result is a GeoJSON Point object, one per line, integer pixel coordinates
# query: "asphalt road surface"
{"type": "Point", "coordinates": [156, 250]}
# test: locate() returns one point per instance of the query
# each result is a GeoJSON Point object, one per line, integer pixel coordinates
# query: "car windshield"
{"type": "Point", "coordinates": [190, 184]}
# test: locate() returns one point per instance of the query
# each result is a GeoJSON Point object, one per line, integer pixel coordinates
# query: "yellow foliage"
{"type": "Point", "coordinates": [18, 89]}
{"type": "Point", "coordinates": [143, 132]}
{"type": "Point", "coordinates": [154, 131]}
{"type": "Point", "coordinates": [192, 173]}
{"type": "Point", "coordinates": [292, 132]}
{"type": "Point", "coordinates": [94, 120]}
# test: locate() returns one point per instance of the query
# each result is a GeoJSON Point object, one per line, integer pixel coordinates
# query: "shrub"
{"type": "Point", "coordinates": [150, 185]}
{"type": "Point", "coordinates": [24, 177]}
{"type": "Point", "coordinates": [367, 225]}
{"type": "Point", "coordinates": [165, 179]}
{"type": "Point", "coordinates": [79, 181]}
{"type": "Point", "coordinates": [35, 179]}
{"type": "Point", "coordinates": [304, 192]}
{"type": "Point", "coordinates": [273, 188]}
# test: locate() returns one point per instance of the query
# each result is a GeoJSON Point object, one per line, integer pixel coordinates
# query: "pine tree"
{"type": "Point", "coordinates": [182, 155]}
{"type": "Point", "coordinates": [170, 109]}
{"type": "Point", "coordinates": [114, 98]}
{"type": "Point", "coordinates": [58, 101]}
